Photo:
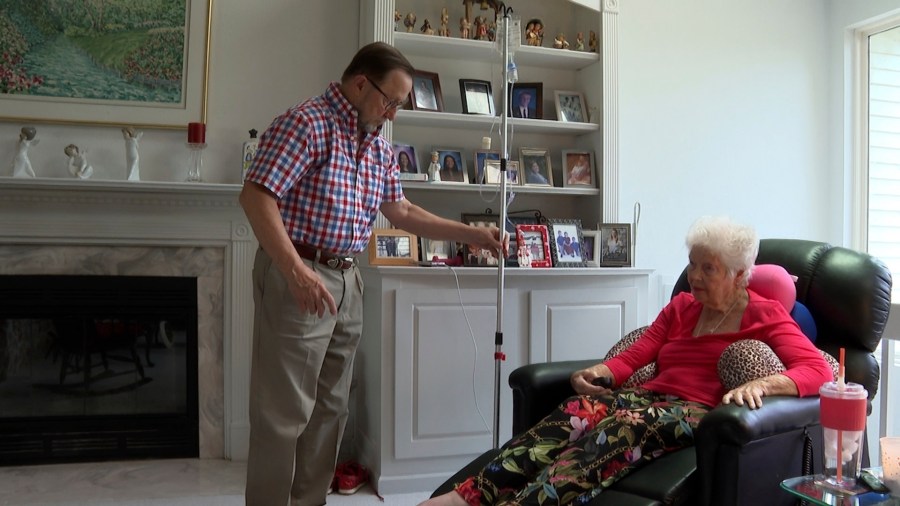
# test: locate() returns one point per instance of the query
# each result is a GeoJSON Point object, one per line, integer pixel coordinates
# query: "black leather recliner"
{"type": "Point", "coordinates": [740, 455]}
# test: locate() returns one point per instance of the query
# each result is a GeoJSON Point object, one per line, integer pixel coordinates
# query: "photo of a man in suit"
{"type": "Point", "coordinates": [523, 104]}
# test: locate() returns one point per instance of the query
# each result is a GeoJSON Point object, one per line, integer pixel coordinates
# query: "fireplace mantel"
{"type": "Point", "coordinates": [114, 214]}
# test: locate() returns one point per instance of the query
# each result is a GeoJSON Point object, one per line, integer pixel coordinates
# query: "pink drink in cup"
{"type": "Point", "coordinates": [843, 416]}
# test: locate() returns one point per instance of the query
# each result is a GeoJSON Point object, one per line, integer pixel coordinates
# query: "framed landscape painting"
{"type": "Point", "coordinates": [117, 62]}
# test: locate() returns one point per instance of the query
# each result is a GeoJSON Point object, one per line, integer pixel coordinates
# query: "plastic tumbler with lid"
{"type": "Point", "coordinates": [843, 416]}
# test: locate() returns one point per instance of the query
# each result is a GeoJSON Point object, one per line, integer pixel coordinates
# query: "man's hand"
{"type": "Point", "coordinates": [307, 288]}
{"type": "Point", "coordinates": [491, 238]}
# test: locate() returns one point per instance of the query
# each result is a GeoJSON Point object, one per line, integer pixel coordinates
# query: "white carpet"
{"type": "Point", "coordinates": [175, 482]}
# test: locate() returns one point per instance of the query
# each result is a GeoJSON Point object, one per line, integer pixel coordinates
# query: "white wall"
{"type": "Point", "coordinates": [723, 110]}
{"type": "Point", "coordinates": [266, 55]}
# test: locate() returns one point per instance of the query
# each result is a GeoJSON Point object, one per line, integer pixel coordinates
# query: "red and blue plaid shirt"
{"type": "Point", "coordinates": [307, 158]}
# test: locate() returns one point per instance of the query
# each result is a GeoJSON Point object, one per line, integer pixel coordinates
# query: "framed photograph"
{"type": "Point", "coordinates": [615, 245]}
{"type": "Point", "coordinates": [512, 255]}
{"type": "Point", "coordinates": [535, 163]}
{"type": "Point", "coordinates": [590, 247]}
{"type": "Point", "coordinates": [473, 255]}
{"type": "Point", "coordinates": [535, 238]}
{"type": "Point", "coordinates": [453, 165]}
{"type": "Point", "coordinates": [426, 92]}
{"type": "Point", "coordinates": [481, 155]}
{"type": "Point", "coordinates": [526, 100]}
{"type": "Point", "coordinates": [566, 243]}
{"type": "Point", "coordinates": [392, 246]}
{"type": "Point", "coordinates": [434, 250]}
{"type": "Point", "coordinates": [578, 168]}
{"type": "Point", "coordinates": [492, 172]}
{"type": "Point", "coordinates": [146, 65]}
{"type": "Point", "coordinates": [477, 97]}
{"type": "Point", "coordinates": [405, 157]}
{"type": "Point", "coordinates": [570, 107]}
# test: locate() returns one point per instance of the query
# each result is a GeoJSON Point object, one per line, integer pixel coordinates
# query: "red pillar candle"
{"type": "Point", "coordinates": [196, 133]}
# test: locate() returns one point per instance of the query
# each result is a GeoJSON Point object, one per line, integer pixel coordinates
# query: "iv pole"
{"type": "Point", "coordinates": [499, 356]}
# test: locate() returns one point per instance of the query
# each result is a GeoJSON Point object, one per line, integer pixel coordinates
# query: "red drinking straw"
{"type": "Point", "coordinates": [840, 433]}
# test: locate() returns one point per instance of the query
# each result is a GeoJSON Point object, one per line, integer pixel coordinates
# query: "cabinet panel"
{"type": "Point", "coordinates": [578, 324]}
{"type": "Point", "coordinates": [442, 407]}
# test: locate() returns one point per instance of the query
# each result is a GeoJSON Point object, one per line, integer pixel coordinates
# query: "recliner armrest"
{"type": "Point", "coordinates": [537, 389]}
{"type": "Point", "coordinates": [738, 425]}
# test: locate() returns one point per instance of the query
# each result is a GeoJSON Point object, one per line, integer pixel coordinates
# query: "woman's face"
{"type": "Point", "coordinates": [709, 278]}
{"type": "Point", "coordinates": [403, 160]}
{"type": "Point", "coordinates": [449, 162]}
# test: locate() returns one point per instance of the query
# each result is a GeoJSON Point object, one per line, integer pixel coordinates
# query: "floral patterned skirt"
{"type": "Point", "coordinates": [584, 446]}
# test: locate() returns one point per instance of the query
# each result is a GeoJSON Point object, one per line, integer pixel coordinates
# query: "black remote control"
{"type": "Point", "coordinates": [602, 381]}
{"type": "Point", "coordinates": [872, 482]}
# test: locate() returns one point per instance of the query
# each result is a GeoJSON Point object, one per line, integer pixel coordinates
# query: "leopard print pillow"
{"type": "Point", "coordinates": [749, 359]}
{"type": "Point", "coordinates": [641, 375]}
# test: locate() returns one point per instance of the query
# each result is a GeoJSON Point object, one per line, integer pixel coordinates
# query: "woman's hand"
{"type": "Point", "coordinates": [583, 380]}
{"type": "Point", "coordinates": [753, 391]}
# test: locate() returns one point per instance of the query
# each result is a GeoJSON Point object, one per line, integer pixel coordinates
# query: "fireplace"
{"type": "Point", "coordinates": [124, 228]}
{"type": "Point", "coordinates": [97, 368]}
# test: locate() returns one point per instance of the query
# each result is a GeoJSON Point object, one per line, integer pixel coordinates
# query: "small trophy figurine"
{"type": "Point", "coordinates": [132, 159]}
{"type": "Point", "coordinates": [78, 165]}
{"type": "Point", "coordinates": [21, 163]}
{"type": "Point", "coordinates": [434, 168]}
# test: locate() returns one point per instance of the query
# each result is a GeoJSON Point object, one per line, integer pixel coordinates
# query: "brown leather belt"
{"type": "Point", "coordinates": [333, 261]}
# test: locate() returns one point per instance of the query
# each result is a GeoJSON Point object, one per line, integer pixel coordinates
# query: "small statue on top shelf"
{"type": "Point", "coordinates": [593, 43]}
{"type": "Point", "coordinates": [444, 30]}
{"type": "Point", "coordinates": [397, 18]}
{"type": "Point", "coordinates": [579, 41]}
{"type": "Point", "coordinates": [481, 29]}
{"type": "Point", "coordinates": [132, 159]}
{"type": "Point", "coordinates": [21, 163]}
{"type": "Point", "coordinates": [534, 33]}
{"type": "Point", "coordinates": [560, 42]}
{"type": "Point", "coordinates": [78, 164]}
{"type": "Point", "coordinates": [410, 22]}
{"type": "Point", "coordinates": [464, 27]}
{"type": "Point", "coordinates": [426, 28]}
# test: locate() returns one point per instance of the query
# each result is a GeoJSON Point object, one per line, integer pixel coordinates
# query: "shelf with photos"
{"type": "Point", "coordinates": [476, 121]}
{"type": "Point", "coordinates": [492, 187]}
{"type": "Point", "coordinates": [478, 50]}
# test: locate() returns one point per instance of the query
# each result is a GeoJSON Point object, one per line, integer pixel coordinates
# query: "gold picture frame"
{"type": "Point", "coordinates": [392, 246]}
{"type": "Point", "coordinates": [100, 106]}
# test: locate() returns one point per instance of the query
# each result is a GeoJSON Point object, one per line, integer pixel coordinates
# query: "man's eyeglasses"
{"type": "Point", "coordinates": [386, 102]}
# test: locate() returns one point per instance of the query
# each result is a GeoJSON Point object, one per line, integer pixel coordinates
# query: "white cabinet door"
{"type": "Point", "coordinates": [444, 370]}
{"type": "Point", "coordinates": [579, 324]}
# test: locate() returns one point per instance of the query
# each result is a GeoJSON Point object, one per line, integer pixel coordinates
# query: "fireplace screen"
{"type": "Point", "coordinates": [97, 367]}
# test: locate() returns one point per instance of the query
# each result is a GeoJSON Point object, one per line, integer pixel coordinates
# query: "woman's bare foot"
{"type": "Point", "coordinates": [448, 499]}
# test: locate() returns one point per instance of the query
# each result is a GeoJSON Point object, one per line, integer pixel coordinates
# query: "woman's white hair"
{"type": "Point", "coordinates": [735, 244]}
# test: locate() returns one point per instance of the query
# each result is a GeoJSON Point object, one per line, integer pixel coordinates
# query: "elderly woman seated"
{"type": "Point", "coordinates": [605, 432]}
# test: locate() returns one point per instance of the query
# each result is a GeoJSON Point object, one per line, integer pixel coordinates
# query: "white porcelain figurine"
{"type": "Point", "coordinates": [132, 159]}
{"type": "Point", "coordinates": [21, 163]}
{"type": "Point", "coordinates": [78, 164]}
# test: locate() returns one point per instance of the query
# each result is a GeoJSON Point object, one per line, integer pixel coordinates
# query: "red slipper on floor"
{"type": "Point", "coordinates": [350, 477]}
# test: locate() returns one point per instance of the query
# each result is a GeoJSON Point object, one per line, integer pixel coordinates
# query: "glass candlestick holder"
{"type": "Point", "coordinates": [195, 162]}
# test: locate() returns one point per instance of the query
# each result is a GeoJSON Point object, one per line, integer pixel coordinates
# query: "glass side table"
{"type": "Point", "coordinates": [808, 488]}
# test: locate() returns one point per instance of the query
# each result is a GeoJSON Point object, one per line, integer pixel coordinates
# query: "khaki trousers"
{"type": "Point", "coordinates": [300, 377]}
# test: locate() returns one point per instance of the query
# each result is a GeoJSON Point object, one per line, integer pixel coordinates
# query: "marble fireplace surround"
{"type": "Point", "coordinates": [55, 226]}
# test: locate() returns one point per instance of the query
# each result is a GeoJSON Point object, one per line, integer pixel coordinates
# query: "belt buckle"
{"type": "Point", "coordinates": [334, 262]}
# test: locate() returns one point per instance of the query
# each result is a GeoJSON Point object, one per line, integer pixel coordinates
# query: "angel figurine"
{"type": "Point", "coordinates": [78, 165]}
{"type": "Point", "coordinates": [410, 22]}
{"type": "Point", "coordinates": [434, 168]}
{"type": "Point", "coordinates": [21, 163]}
{"type": "Point", "coordinates": [132, 159]}
{"type": "Point", "coordinates": [444, 30]}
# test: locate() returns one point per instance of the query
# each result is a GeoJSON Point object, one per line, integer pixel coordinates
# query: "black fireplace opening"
{"type": "Point", "coordinates": [97, 368]}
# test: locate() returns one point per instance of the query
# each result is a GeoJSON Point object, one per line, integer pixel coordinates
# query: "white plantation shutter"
{"type": "Point", "coordinates": [884, 151]}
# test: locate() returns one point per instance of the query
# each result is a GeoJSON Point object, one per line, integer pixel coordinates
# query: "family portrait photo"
{"type": "Point", "coordinates": [566, 243]}
{"type": "Point", "coordinates": [570, 107]}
